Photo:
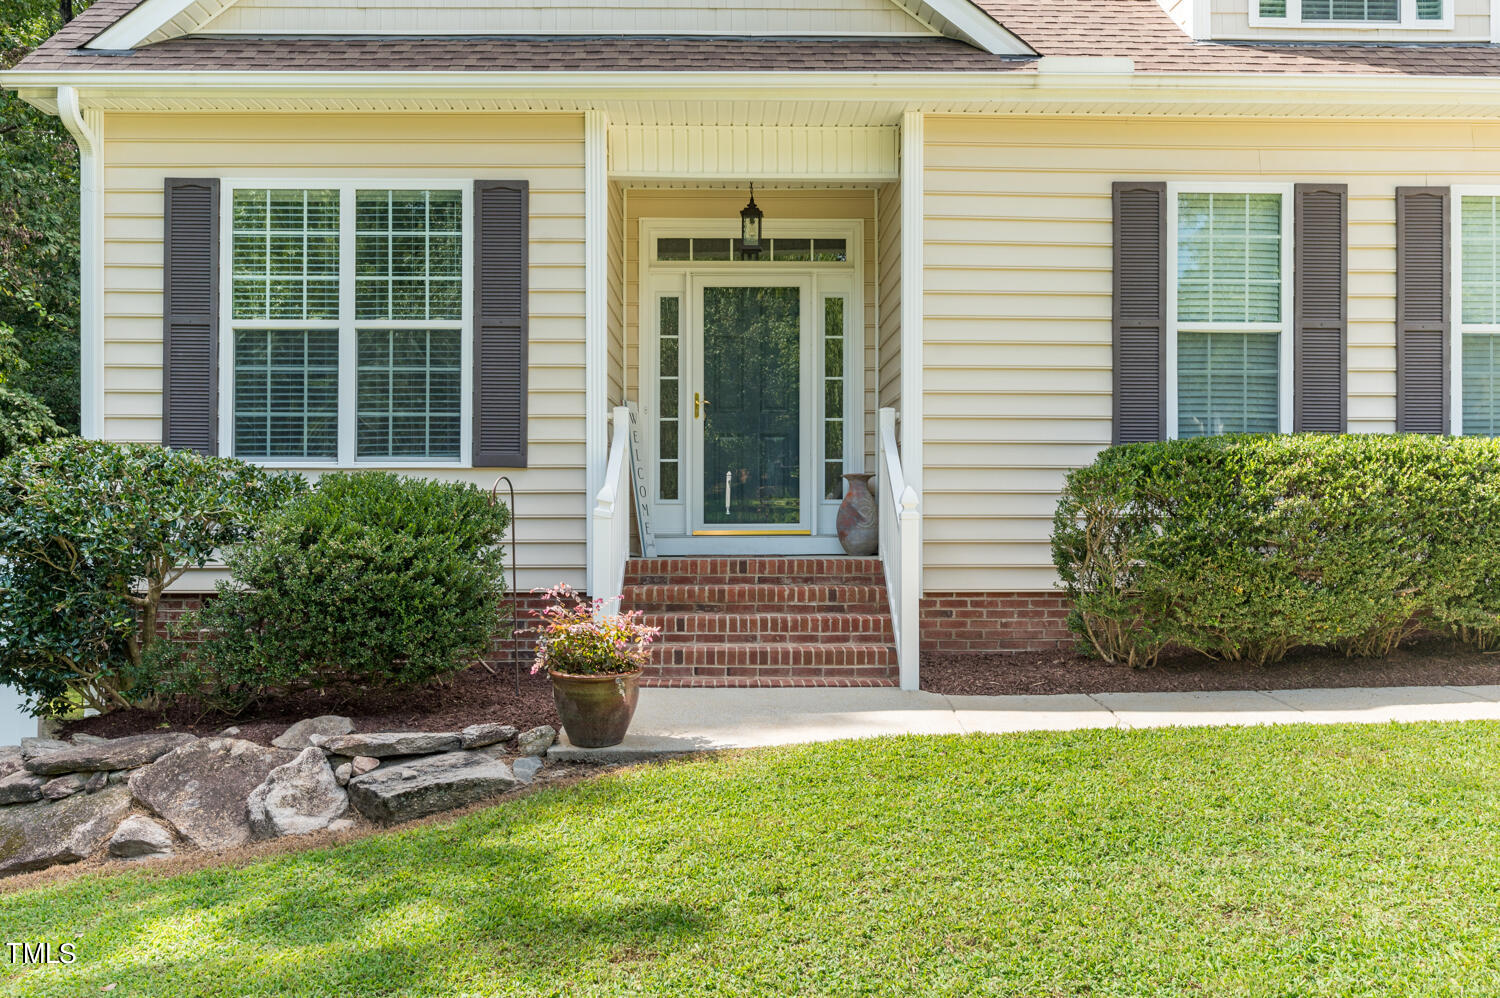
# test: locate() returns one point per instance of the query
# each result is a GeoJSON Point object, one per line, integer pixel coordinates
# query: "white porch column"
{"type": "Point", "coordinates": [911, 297]}
{"type": "Point", "coordinates": [596, 319]}
{"type": "Point", "coordinates": [86, 127]}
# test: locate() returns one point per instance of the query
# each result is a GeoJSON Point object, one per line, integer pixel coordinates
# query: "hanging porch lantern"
{"type": "Point", "coordinates": [750, 218]}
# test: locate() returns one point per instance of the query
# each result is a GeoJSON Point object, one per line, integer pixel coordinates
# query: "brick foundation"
{"type": "Point", "coordinates": [991, 622]}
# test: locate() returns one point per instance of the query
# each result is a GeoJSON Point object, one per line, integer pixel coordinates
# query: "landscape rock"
{"type": "Point", "coordinates": [341, 825]}
{"type": "Point", "coordinates": [33, 747]}
{"type": "Point", "coordinates": [10, 760]}
{"type": "Point", "coordinates": [536, 741]}
{"type": "Point", "coordinates": [526, 768]}
{"type": "Point", "coordinates": [96, 782]}
{"type": "Point", "coordinates": [119, 776]}
{"type": "Point", "coordinates": [419, 787]}
{"type": "Point", "coordinates": [139, 837]}
{"type": "Point", "coordinates": [299, 797]}
{"type": "Point", "coordinates": [200, 788]}
{"type": "Point", "coordinates": [358, 766]}
{"type": "Point", "coordinates": [232, 731]}
{"type": "Point", "coordinates": [36, 836]}
{"type": "Point", "coordinates": [299, 735]}
{"type": "Point", "coordinates": [117, 753]}
{"type": "Point", "coordinates": [82, 739]}
{"type": "Point", "coordinates": [480, 735]}
{"type": "Point", "coordinates": [21, 788]}
{"type": "Point", "coordinates": [64, 786]}
{"type": "Point", "coordinates": [381, 744]}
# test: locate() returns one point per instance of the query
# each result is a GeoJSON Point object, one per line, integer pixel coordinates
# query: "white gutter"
{"type": "Point", "coordinates": [1070, 80]}
{"type": "Point", "coordinates": [85, 127]}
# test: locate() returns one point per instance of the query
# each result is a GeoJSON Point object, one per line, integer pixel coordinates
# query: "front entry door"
{"type": "Point", "coordinates": [750, 440]}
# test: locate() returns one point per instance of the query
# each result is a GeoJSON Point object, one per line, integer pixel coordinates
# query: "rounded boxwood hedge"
{"type": "Point", "coordinates": [1244, 547]}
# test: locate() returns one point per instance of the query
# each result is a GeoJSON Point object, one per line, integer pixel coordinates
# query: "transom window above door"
{"type": "Point", "coordinates": [346, 327]}
{"type": "Point", "coordinates": [723, 249]}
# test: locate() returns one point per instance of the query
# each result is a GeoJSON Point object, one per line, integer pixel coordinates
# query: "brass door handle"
{"type": "Point", "coordinates": [698, 403]}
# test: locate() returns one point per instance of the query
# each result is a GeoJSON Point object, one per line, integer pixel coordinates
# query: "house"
{"type": "Point", "coordinates": [469, 239]}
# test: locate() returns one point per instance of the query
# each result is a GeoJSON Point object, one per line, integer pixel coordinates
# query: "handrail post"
{"type": "Point", "coordinates": [901, 552]}
{"type": "Point", "coordinates": [611, 520]}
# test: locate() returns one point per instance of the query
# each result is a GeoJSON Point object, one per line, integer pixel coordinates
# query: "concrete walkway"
{"type": "Point", "coordinates": [671, 721]}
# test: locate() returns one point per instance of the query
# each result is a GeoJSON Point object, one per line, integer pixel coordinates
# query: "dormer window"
{"type": "Point", "coordinates": [1353, 13]}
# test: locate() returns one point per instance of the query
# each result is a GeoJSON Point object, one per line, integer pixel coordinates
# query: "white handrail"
{"type": "Point", "coordinates": [611, 517]}
{"type": "Point", "coordinates": [901, 552]}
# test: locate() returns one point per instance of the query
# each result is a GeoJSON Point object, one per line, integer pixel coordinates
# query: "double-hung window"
{"type": "Point", "coordinates": [1475, 376]}
{"type": "Point", "coordinates": [1229, 346]}
{"type": "Point", "coordinates": [346, 331]}
{"type": "Point", "coordinates": [1352, 13]}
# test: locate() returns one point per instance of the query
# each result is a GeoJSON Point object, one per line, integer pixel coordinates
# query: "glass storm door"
{"type": "Point", "coordinates": [750, 409]}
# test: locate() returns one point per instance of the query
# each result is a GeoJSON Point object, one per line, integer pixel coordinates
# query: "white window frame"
{"type": "Point", "coordinates": [1287, 353]}
{"type": "Point", "coordinates": [1407, 22]}
{"type": "Point", "coordinates": [348, 326]}
{"type": "Point", "coordinates": [1456, 325]}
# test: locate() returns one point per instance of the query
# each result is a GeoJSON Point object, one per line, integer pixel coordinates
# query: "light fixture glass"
{"type": "Point", "coordinates": [750, 219]}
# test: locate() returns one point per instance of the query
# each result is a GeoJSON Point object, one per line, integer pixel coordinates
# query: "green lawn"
{"type": "Point", "coordinates": [1286, 862]}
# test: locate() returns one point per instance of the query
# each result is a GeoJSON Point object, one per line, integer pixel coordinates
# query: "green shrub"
{"type": "Point", "coordinates": [91, 534]}
{"type": "Point", "coordinates": [370, 578]}
{"type": "Point", "coordinates": [1245, 547]}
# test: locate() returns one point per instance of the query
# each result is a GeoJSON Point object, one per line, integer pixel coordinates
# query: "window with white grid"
{"type": "Point", "coordinates": [347, 323]}
{"type": "Point", "coordinates": [1230, 308]}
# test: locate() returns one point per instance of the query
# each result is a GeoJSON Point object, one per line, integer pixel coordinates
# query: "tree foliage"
{"type": "Point", "coordinates": [38, 227]}
{"type": "Point", "coordinates": [91, 535]}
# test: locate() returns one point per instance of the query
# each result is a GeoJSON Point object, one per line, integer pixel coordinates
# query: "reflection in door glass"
{"type": "Point", "coordinates": [752, 420]}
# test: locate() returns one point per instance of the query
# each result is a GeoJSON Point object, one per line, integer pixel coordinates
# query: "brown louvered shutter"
{"type": "Point", "coordinates": [190, 314]}
{"type": "Point", "coordinates": [1140, 311]}
{"type": "Point", "coordinates": [500, 314]}
{"type": "Point", "coordinates": [1321, 312]}
{"type": "Point", "coordinates": [1421, 310]}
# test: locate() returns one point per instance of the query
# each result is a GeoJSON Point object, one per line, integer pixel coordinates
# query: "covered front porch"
{"type": "Point", "coordinates": [744, 382]}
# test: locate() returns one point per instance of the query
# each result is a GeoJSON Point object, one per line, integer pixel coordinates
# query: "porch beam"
{"type": "Point", "coordinates": [596, 318]}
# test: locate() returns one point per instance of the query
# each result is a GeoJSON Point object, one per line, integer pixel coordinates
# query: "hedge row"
{"type": "Point", "coordinates": [1245, 547]}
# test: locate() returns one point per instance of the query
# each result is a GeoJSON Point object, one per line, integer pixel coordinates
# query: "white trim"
{"type": "Point", "coordinates": [87, 129]}
{"type": "Point", "coordinates": [980, 28]}
{"type": "Point", "coordinates": [1284, 328]}
{"type": "Point", "coordinates": [595, 308]}
{"type": "Point", "coordinates": [347, 325]}
{"type": "Point", "coordinates": [912, 282]}
{"type": "Point", "coordinates": [1495, 22]}
{"type": "Point", "coordinates": [674, 279]}
{"type": "Point", "coordinates": [1408, 20]}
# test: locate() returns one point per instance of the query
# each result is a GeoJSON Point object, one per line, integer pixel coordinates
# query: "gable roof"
{"type": "Point", "coordinates": [160, 20]}
{"type": "Point", "coordinates": [1136, 29]}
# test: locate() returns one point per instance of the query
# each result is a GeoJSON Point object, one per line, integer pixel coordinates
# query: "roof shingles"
{"type": "Point", "coordinates": [1138, 29]}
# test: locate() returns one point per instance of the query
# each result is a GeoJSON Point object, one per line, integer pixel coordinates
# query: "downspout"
{"type": "Point", "coordinates": [86, 133]}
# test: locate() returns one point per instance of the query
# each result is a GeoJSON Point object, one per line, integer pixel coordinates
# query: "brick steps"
{"type": "Point", "coordinates": [765, 621]}
{"type": "Point", "coordinates": [755, 598]}
{"type": "Point", "coordinates": [772, 628]}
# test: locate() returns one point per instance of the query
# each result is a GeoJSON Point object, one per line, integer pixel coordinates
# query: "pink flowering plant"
{"type": "Point", "coordinates": [575, 638]}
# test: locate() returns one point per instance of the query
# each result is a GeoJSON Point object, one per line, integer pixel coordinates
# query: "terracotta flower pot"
{"type": "Point", "coordinates": [595, 710]}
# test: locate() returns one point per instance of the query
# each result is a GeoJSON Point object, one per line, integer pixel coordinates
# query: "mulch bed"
{"type": "Point", "coordinates": [1430, 662]}
{"type": "Point", "coordinates": [471, 697]}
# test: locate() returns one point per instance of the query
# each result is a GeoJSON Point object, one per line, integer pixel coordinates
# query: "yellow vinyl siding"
{"type": "Point", "coordinates": [716, 203]}
{"type": "Point", "coordinates": [141, 150]}
{"type": "Point", "coordinates": [616, 372]}
{"type": "Point", "coordinates": [1471, 23]}
{"type": "Point", "coordinates": [1017, 380]}
{"type": "Point", "coordinates": [888, 270]}
{"type": "Point", "coordinates": [590, 17]}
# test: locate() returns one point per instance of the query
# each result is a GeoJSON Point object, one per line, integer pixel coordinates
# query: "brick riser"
{"type": "Point", "coordinates": [765, 621]}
